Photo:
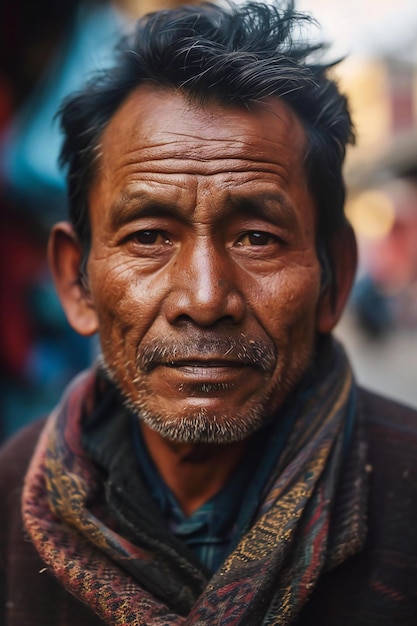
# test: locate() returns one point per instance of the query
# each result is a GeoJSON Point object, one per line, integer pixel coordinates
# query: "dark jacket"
{"type": "Point", "coordinates": [376, 587]}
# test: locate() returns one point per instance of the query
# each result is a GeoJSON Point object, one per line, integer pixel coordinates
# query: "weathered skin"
{"type": "Point", "coordinates": [203, 237]}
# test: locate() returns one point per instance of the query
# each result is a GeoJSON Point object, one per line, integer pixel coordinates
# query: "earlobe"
{"type": "Point", "coordinates": [65, 256]}
{"type": "Point", "coordinates": [344, 257]}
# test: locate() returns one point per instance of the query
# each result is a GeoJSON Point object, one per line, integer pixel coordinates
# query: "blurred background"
{"type": "Point", "coordinates": [47, 49]}
{"type": "Point", "coordinates": [378, 39]}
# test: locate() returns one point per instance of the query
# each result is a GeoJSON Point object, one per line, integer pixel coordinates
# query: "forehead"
{"type": "Point", "coordinates": [151, 119]}
{"type": "Point", "coordinates": [160, 142]}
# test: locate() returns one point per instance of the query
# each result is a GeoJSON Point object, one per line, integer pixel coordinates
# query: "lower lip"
{"type": "Point", "coordinates": [205, 369]}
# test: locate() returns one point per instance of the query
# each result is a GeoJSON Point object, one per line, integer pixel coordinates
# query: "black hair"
{"type": "Point", "coordinates": [235, 55]}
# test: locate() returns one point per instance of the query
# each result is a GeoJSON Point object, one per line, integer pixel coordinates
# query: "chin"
{"type": "Point", "coordinates": [202, 427]}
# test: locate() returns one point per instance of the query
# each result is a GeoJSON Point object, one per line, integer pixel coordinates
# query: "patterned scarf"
{"type": "Point", "coordinates": [310, 520]}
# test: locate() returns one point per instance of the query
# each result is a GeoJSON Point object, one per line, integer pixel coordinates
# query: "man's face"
{"type": "Point", "coordinates": [203, 271]}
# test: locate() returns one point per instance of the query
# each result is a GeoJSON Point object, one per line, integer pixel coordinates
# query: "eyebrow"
{"type": "Point", "coordinates": [270, 206]}
{"type": "Point", "coordinates": [131, 205]}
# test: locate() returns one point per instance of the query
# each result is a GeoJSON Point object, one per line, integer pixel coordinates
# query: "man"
{"type": "Point", "coordinates": [218, 465]}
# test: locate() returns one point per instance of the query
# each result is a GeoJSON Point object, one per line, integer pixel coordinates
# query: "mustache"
{"type": "Point", "coordinates": [241, 350]}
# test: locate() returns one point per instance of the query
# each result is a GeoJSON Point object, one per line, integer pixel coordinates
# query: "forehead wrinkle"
{"type": "Point", "coordinates": [207, 150]}
{"type": "Point", "coordinates": [177, 165]}
{"type": "Point", "coordinates": [146, 198]}
{"type": "Point", "coordinates": [195, 150]}
{"type": "Point", "coordinates": [147, 118]}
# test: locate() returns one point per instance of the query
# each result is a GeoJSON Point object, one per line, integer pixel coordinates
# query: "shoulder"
{"type": "Point", "coordinates": [383, 413]}
{"type": "Point", "coordinates": [391, 433]}
{"type": "Point", "coordinates": [29, 593]}
{"type": "Point", "coordinates": [15, 455]}
{"type": "Point", "coordinates": [377, 586]}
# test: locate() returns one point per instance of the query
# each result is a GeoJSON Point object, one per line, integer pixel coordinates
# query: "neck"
{"type": "Point", "coordinates": [193, 472]}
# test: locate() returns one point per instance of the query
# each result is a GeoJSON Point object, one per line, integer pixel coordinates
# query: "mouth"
{"type": "Point", "coordinates": [196, 375]}
{"type": "Point", "coordinates": [208, 354]}
{"type": "Point", "coordinates": [206, 370]}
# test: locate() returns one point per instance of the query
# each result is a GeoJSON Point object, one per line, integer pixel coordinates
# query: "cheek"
{"type": "Point", "coordinates": [126, 305]}
{"type": "Point", "coordinates": [287, 304]}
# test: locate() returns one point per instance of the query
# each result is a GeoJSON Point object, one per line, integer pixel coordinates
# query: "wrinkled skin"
{"type": "Point", "coordinates": [203, 244]}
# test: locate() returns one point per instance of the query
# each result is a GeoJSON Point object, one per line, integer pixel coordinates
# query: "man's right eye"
{"type": "Point", "coordinates": [150, 237]}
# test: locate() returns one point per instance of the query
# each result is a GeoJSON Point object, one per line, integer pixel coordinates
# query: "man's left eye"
{"type": "Point", "coordinates": [256, 238]}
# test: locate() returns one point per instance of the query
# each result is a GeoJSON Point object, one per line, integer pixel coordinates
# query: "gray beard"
{"type": "Point", "coordinates": [198, 426]}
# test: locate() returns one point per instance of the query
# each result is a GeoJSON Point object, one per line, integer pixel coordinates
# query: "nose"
{"type": "Point", "coordinates": [203, 288]}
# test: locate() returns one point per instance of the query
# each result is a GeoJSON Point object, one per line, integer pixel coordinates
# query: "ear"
{"type": "Point", "coordinates": [344, 257]}
{"type": "Point", "coordinates": [65, 255]}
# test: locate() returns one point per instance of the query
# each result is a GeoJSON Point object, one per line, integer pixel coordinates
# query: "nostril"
{"type": "Point", "coordinates": [222, 322]}
{"type": "Point", "coordinates": [183, 320]}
